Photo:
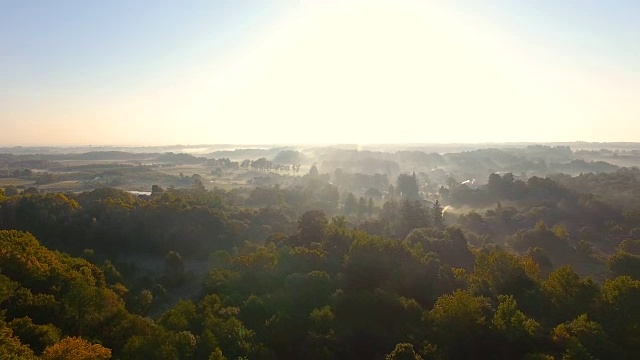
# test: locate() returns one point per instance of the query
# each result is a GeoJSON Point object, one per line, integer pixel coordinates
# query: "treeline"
{"type": "Point", "coordinates": [193, 222]}
{"type": "Point", "coordinates": [605, 203]}
{"type": "Point", "coordinates": [478, 163]}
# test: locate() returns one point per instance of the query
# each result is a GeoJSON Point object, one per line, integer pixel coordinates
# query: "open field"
{"type": "Point", "coordinates": [186, 170]}
{"type": "Point", "coordinates": [14, 182]}
{"type": "Point", "coordinates": [63, 186]}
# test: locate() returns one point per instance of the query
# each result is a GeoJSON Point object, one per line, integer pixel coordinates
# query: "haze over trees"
{"type": "Point", "coordinates": [320, 262]}
{"type": "Point", "coordinates": [350, 179]}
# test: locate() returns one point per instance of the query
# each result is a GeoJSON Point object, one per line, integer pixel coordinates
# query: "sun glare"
{"type": "Point", "coordinates": [389, 72]}
{"type": "Point", "coordinates": [359, 72]}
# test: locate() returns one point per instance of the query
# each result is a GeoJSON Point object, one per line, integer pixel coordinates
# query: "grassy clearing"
{"type": "Point", "coordinates": [225, 185]}
{"type": "Point", "coordinates": [186, 170]}
{"type": "Point", "coordinates": [63, 186]}
{"type": "Point", "coordinates": [4, 182]}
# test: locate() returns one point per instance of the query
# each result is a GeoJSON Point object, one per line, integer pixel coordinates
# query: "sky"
{"type": "Point", "coordinates": [318, 72]}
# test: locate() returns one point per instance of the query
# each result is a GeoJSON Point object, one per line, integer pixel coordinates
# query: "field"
{"type": "Point", "coordinates": [4, 182]}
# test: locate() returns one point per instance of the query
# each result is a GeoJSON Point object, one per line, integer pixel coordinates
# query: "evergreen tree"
{"type": "Point", "coordinates": [350, 204]}
{"type": "Point", "coordinates": [438, 216]}
{"type": "Point", "coordinates": [362, 207]}
{"type": "Point", "coordinates": [412, 215]}
{"type": "Point", "coordinates": [407, 187]}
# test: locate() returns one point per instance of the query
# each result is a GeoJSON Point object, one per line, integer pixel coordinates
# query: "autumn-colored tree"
{"type": "Point", "coordinates": [403, 351]}
{"type": "Point", "coordinates": [75, 348]}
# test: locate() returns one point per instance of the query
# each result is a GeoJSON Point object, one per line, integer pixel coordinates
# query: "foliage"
{"type": "Point", "coordinates": [285, 279]}
{"type": "Point", "coordinates": [74, 348]}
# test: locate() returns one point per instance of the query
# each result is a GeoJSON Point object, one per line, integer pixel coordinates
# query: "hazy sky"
{"type": "Point", "coordinates": [194, 72]}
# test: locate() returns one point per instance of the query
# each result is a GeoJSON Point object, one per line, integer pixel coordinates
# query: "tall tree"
{"type": "Point", "coordinates": [350, 204]}
{"type": "Point", "coordinates": [407, 187]}
{"type": "Point", "coordinates": [362, 207]}
{"type": "Point", "coordinates": [312, 226]}
{"type": "Point", "coordinates": [438, 216]}
{"type": "Point", "coordinates": [412, 215]}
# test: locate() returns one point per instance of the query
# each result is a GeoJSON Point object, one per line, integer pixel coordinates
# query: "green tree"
{"type": "Point", "coordinates": [10, 346]}
{"type": "Point", "coordinates": [626, 259]}
{"type": "Point", "coordinates": [312, 227]}
{"type": "Point", "coordinates": [174, 273]}
{"type": "Point", "coordinates": [350, 204]}
{"type": "Point", "coordinates": [412, 215]}
{"type": "Point", "coordinates": [362, 207]}
{"type": "Point", "coordinates": [438, 215]}
{"type": "Point", "coordinates": [516, 331]}
{"type": "Point", "coordinates": [89, 306]}
{"type": "Point", "coordinates": [330, 195]}
{"type": "Point", "coordinates": [38, 337]}
{"type": "Point", "coordinates": [501, 273]}
{"type": "Point", "coordinates": [161, 344]}
{"type": "Point", "coordinates": [407, 187]}
{"type": "Point", "coordinates": [624, 263]}
{"type": "Point", "coordinates": [460, 324]}
{"type": "Point", "coordinates": [181, 317]}
{"type": "Point", "coordinates": [620, 311]}
{"type": "Point", "coordinates": [584, 339]}
{"type": "Point", "coordinates": [371, 322]}
{"type": "Point", "coordinates": [569, 296]}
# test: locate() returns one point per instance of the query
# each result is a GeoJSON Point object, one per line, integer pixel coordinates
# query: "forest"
{"type": "Point", "coordinates": [516, 252]}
